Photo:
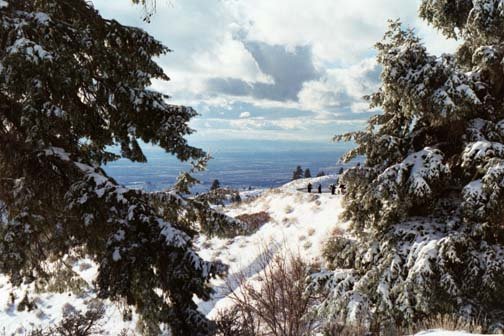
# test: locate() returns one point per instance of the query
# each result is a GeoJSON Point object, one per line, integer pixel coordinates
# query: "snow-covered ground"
{"type": "Point", "coordinates": [300, 223]}
{"type": "Point", "coordinates": [438, 332]}
{"type": "Point", "coordinates": [50, 306]}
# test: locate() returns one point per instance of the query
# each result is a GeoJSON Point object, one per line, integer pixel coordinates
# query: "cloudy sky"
{"type": "Point", "coordinates": [290, 70]}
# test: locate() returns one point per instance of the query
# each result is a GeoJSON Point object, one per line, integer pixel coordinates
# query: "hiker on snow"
{"type": "Point", "coordinates": [320, 189]}
{"type": "Point", "coordinates": [309, 187]}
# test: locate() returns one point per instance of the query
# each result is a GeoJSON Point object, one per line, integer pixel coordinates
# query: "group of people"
{"type": "Point", "coordinates": [341, 189]}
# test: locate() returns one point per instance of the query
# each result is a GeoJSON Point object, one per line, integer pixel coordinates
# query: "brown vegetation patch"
{"type": "Point", "coordinates": [256, 220]}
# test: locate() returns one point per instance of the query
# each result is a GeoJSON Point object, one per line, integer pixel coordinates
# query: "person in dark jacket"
{"type": "Point", "coordinates": [309, 187]}
{"type": "Point", "coordinates": [320, 189]}
{"type": "Point", "coordinates": [333, 189]}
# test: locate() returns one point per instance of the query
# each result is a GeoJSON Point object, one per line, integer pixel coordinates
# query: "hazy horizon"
{"type": "Point", "coordinates": [237, 165]}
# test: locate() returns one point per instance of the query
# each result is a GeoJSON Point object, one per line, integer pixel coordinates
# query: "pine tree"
{"type": "Point", "coordinates": [307, 173]}
{"type": "Point", "coordinates": [321, 173]}
{"type": "Point", "coordinates": [341, 170]}
{"type": "Point", "coordinates": [215, 185]}
{"type": "Point", "coordinates": [298, 173]}
{"type": "Point", "coordinates": [71, 85]}
{"type": "Point", "coordinates": [426, 207]}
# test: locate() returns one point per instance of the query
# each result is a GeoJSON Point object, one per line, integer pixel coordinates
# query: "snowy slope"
{"type": "Point", "coordinates": [300, 223]}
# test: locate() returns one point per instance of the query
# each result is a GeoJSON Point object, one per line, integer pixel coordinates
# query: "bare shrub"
{"type": "Point", "coordinates": [337, 231]}
{"type": "Point", "coordinates": [273, 191]}
{"type": "Point", "coordinates": [235, 322]}
{"type": "Point", "coordinates": [250, 198]}
{"type": "Point", "coordinates": [444, 322]}
{"type": "Point", "coordinates": [256, 220]}
{"type": "Point", "coordinates": [277, 305]}
{"type": "Point", "coordinates": [336, 329]}
{"type": "Point", "coordinates": [126, 332]}
{"type": "Point", "coordinates": [206, 244]}
{"type": "Point", "coordinates": [289, 209]}
{"type": "Point", "coordinates": [85, 266]}
{"type": "Point", "coordinates": [75, 323]}
{"type": "Point", "coordinates": [450, 322]}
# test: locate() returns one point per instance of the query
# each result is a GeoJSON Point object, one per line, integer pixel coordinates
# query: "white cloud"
{"type": "Point", "coordinates": [213, 40]}
{"type": "Point", "coordinates": [201, 37]}
{"type": "Point", "coordinates": [341, 88]}
{"type": "Point", "coordinates": [339, 30]}
{"type": "Point", "coordinates": [295, 129]}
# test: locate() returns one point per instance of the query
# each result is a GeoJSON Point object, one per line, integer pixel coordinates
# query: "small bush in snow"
{"type": "Point", "coordinates": [289, 209]}
{"type": "Point", "coordinates": [84, 266]}
{"type": "Point", "coordinates": [278, 305]}
{"type": "Point", "coordinates": [449, 322]}
{"type": "Point", "coordinates": [338, 329]}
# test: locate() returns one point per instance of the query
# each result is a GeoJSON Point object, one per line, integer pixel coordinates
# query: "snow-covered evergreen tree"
{"type": "Point", "coordinates": [427, 206]}
{"type": "Point", "coordinates": [215, 185]}
{"type": "Point", "coordinates": [307, 173]}
{"type": "Point", "coordinates": [298, 173]}
{"type": "Point", "coordinates": [71, 85]}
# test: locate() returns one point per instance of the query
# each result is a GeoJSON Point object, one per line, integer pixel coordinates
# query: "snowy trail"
{"type": "Point", "coordinates": [300, 223]}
